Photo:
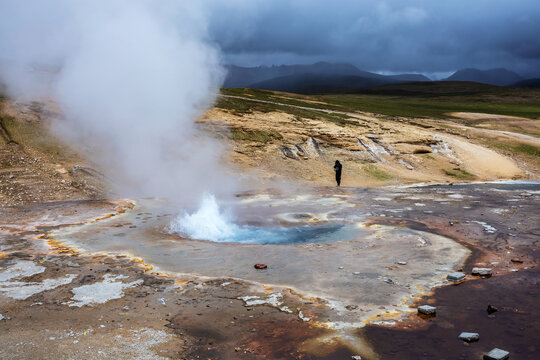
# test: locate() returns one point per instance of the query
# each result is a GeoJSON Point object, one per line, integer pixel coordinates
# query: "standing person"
{"type": "Point", "coordinates": [337, 169]}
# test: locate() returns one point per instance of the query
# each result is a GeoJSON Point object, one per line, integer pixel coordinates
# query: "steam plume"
{"type": "Point", "coordinates": [131, 78]}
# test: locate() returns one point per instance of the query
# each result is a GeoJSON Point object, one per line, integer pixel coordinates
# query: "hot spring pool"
{"type": "Point", "coordinates": [293, 235]}
{"type": "Point", "coordinates": [210, 223]}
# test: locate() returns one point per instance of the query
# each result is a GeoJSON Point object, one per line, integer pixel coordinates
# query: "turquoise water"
{"type": "Point", "coordinates": [305, 234]}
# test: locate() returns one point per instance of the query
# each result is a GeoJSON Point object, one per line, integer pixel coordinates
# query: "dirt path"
{"type": "Point", "coordinates": [533, 140]}
{"type": "Point", "coordinates": [352, 114]}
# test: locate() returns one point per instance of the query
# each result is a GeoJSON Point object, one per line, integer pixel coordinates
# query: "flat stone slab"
{"type": "Point", "coordinates": [427, 310]}
{"type": "Point", "coordinates": [469, 336]}
{"type": "Point", "coordinates": [497, 354]}
{"type": "Point", "coordinates": [481, 271]}
{"type": "Point", "coordinates": [457, 276]}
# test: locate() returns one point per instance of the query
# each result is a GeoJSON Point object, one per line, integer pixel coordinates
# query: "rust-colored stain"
{"type": "Point", "coordinates": [384, 316]}
{"type": "Point", "coordinates": [57, 247]}
{"type": "Point", "coordinates": [141, 263]}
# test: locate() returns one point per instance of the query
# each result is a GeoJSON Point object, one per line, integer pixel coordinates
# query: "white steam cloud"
{"type": "Point", "coordinates": [131, 77]}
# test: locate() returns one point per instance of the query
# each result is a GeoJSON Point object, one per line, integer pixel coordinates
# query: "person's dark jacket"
{"type": "Point", "coordinates": [337, 169]}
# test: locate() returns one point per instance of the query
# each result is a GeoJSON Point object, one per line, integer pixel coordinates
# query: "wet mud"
{"type": "Point", "coordinates": [514, 327]}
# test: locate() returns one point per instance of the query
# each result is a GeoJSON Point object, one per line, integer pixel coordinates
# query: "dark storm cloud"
{"type": "Point", "coordinates": [393, 35]}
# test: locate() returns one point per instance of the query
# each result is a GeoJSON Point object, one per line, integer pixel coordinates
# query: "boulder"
{"type": "Point", "coordinates": [288, 152]}
{"type": "Point", "coordinates": [313, 148]}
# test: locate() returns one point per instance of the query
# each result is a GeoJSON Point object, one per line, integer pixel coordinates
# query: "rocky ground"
{"type": "Point", "coordinates": [35, 166]}
{"type": "Point", "coordinates": [64, 302]}
{"type": "Point", "coordinates": [61, 302]}
{"type": "Point", "coordinates": [300, 144]}
{"type": "Point", "coordinates": [278, 145]}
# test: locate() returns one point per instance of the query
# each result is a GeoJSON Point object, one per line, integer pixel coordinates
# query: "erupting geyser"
{"type": "Point", "coordinates": [209, 223]}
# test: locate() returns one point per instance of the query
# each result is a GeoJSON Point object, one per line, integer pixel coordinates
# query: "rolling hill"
{"type": "Point", "coordinates": [500, 77]}
{"type": "Point", "coordinates": [309, 83]}
{"type": "Point", "coordinates": [529, 83]}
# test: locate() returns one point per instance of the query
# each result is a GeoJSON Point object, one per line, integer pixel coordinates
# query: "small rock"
{"type": "Point", "coordinates": [341, 268]}
{"type": "Point", "coordinates": [457, 276]}
{"type": "Point", "coordinates": [356, 357]}
{"type": "Point", "coordinates": [481, 271]}
{"type": "Point", "coordinates": [162, 301]}
{"type": "Point", "coordinates": [390, 281]}
{"type": "Point", "coordinates": [491, 309]}
{"type": "Point", "coordinates": [1, 317]}
{"type": "Point", "coordinates": [260, 266]}
{"type": "Point", "coordinates": [519, 261]}
{"type": "Point", "coordinates": [351, 307]}
{"type": "Point", "coordinates": [497, 354]}
{"type": "Point", "coordinates": [356, 273]}
{"type": "Point", "coordinates": [402, 263]}
{"type": "Point", "coordinates": [427, 310]}
{"type": "Point", "coordinates": [469, 337]}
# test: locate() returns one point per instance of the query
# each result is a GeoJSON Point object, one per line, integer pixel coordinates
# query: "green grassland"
{"type": "Point", "coordinates": [374, 172]}
{"type": "Point", "coordinates": [418, 100]}
{"type": "Point", "coordinates": [459, 174]}
{"type": "Point", "coordinates": [261, 136]}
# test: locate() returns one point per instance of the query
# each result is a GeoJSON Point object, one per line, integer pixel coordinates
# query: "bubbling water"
{"type": "Point", "coordinates": [209, 223]}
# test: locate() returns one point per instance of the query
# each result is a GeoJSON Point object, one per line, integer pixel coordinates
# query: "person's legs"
{"type": "Point", "coordinates": [338, 179]}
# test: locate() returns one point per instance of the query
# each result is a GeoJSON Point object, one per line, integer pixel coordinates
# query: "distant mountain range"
{"type": "Point", "coordinates": [310, 83]}
{"type": "Point", "coordinates": [324, 77]}
{"type": "Point", "coordinates": [318, 77]}
{"type": "Point", "coordinates": [500, 77]}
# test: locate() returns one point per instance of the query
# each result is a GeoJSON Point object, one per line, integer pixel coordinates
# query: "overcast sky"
{"type": "Point", "coordinates": [429, 36]}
